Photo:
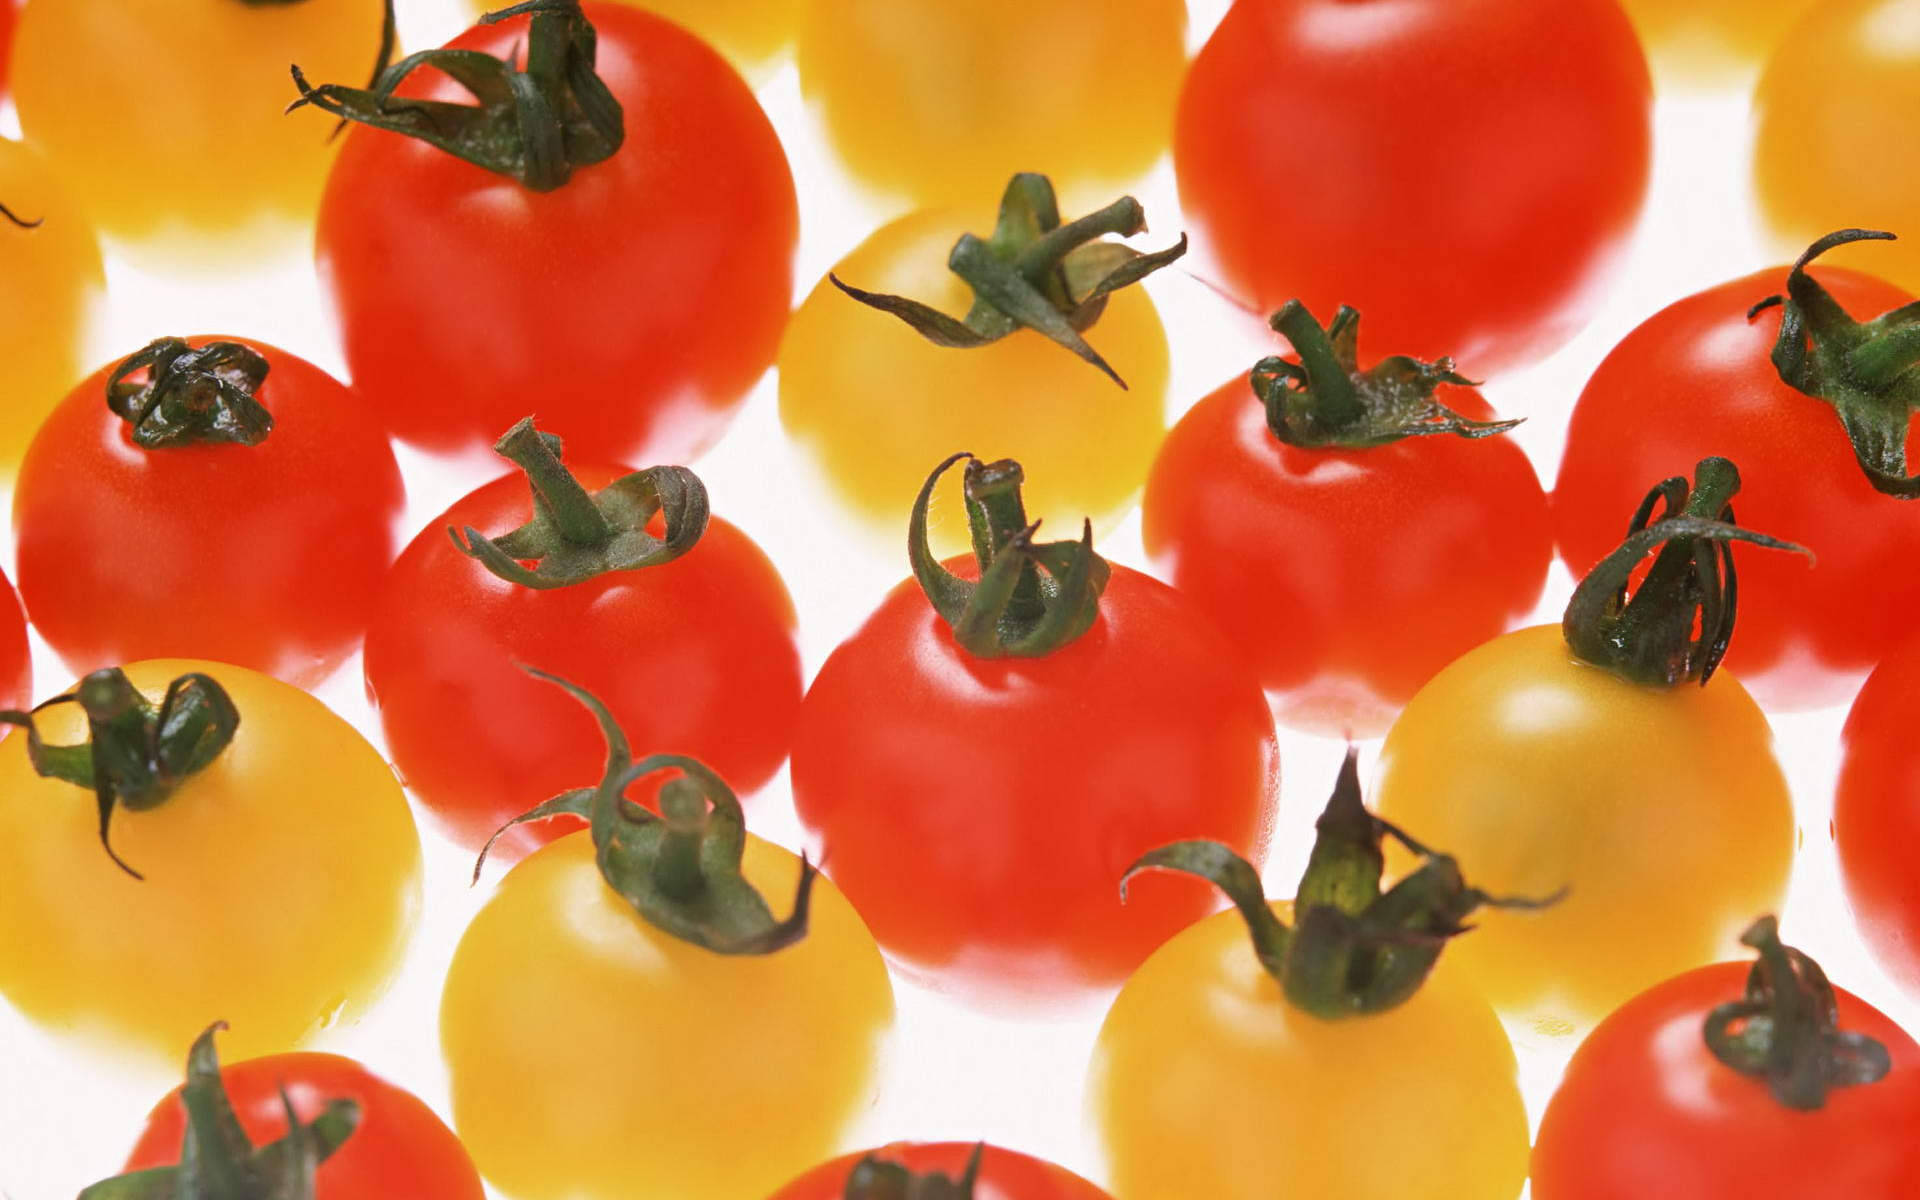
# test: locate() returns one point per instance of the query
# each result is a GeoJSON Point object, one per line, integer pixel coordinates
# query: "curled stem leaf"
{"type": "Point", "coordinates": [192, 396]}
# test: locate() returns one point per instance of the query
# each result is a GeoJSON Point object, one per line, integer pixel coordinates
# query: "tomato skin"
{"type": "Point", "coordinates": [400, 1148]}
{"type": "Point", "coordinates": [1876, 814]}
{"type": "Point", "coordinates": [1004, 1174]}
{"type": "Point", "coordinates": [559, 293]}
{"type": "Point", "coordinates": [1348, 577]}
{"type": "Point", "coordinates": [1712, 42]}
{"type": "Point", "coordinates": [265, 556]}
{"type": "Point", "coordinates": [16, 657]}
{"type": "Point", "coordinates": [1645, 1109]}
{"type": "Point", "coordinates": [1206, 1082]}
{"type": "Point", "coordinates": [569, 1023]}
{"type": "Point", "coordinates": [980, 813]}
{"type": "Point", "coordinates": [1695, 379]}
{"type": "Point", "coordinates": [1305, 152]}
{"type": "Point", "coordinates": [697, 656]}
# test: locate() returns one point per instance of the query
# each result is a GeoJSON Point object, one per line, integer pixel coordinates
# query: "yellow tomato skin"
{"type": "Point", "coordinates": [592, 1055]}
{"type": "Point", "coordinates": [1663, 811]}
{"type": "Point", "coordinates": [877, 406]}
{"type": "Point", "coordinates": [1712, 42]}
{"type": "Point", "coordinates": [281, 883]}
{"type": "Point", "coordinates": [1206, 1082]}
{"type": "Point", "coordinates": [940, 102]}
{"type": "Point", "coordinates": [749, 32]}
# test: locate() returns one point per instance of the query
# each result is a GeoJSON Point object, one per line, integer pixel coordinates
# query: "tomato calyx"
{"type": "Point", "coordinates": [1353, 950]}
{"type": "Point", "coordinates": [137, 753]}
{"type": "Point", "coordinates": [217, 1162]}
{"type": "Point", "coordinates": [680, 870]}
{"type": "Point", "coordinates": [874, 1178]}
{"type": "Point", "coordinates": [1786, 1028]}
{"type": "Point", "coordinates": [190, 397]}
{"type": "Point", "coordinates": [1032, 597]}
{"type": "Point", "coordinates": [1035, 273]}
{"type": "Point", "coordinates": [537, 126]}
{"type": "Point", "coordinates": [1679, 621]}
{"type": "Point", "coordinates": [575, 535]}
{"type": "Point", "coordinates": [1864, 369]}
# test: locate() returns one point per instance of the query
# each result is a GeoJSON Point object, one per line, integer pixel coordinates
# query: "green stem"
{"type": "Point", "coordinates": [1879, 361]}
{"type": "Point", "coordinates": [568, 505]}
{"type": "Point", "coordinates": [676, 871]}
{"type": "Point", "coordinates": [1337, 404]}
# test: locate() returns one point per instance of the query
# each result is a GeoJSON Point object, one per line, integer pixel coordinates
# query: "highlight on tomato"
{"type": "Point", "coordinates": [16, 656]}
{"type": "Point", "coordinates": [1736, 1079]}
{"type": "Point", "coordinates": [939, 1171]}
{"type": "Point", "coordinates": [1334, 530]}
{"type": "Point", "coordinates": [1330, 1058]}
{"type": "Point", "coordinates": [1610, 756]}
{"type": "Point", "coordinates": [627, 1007]}
{"type": "Point", "coordinates": [1712, 43]}
{"type": "Point", "coordinates": [1465, 172]}
{"type": "Point", "coordinates": [983, 757]}
{"type": "Point", "coordinates": [751, 33]}
{"type": "Point", "coordinates": [1806, 388]}
{"type": "Point", "coordinates": [216, 835]}
{"type": "Point", "coordinates": [567, 233]}
{"type": "Point", "coordinates": [1876, 813]}
{"type": "Point", "coordinates": [210, 497]}
{"type": "Point", "coordinates": [873, 391]}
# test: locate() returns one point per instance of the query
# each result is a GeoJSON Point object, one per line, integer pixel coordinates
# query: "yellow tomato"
{"type": "Point", "coordinates": [1712, 41]}
{"type": "Point", "coordinates": [749, 32]}
{"type": "Point", "coordinates": [281, 882]}
{"type": "Point", "coordinates": [1662, 811]}
{"type": "Point", "coordinates": [939, 102]}
{"type": "Point", "coordinates": [592, 1054]}
{"type": "Point", "coordinates": [1208, 1083]}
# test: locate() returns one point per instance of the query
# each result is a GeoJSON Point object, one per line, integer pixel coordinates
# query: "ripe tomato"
{"type": "Point", "coordinates": [749, 32]}
{"type": "Point", "coordinates": [266, 555]}
{"type": "Point", "coordinates": [1712, 41]}
{"type": "Point", "coordinates": [7, 19]}
{"type": "Point", "coordinates": [1337, 150]}
{"type": "Point", "coordinates": [462, 293]}
{"type": "Point", "coordinates": [938, 103]}
{"type": "Point", "coordinates": [1001, 1174]}
{"type": "Point", "coordinates": [16, 658]}
{"type": "Point", "coordinates": [298, 809]}
{"type": "Point", "coordinates": [1876, 813]}
{"type": "Point", "coordinates": [167, 120]}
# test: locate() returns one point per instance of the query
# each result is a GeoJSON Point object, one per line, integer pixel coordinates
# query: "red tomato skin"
{"type": "Point", "coordinates": [400, 1148]}
{"type": "Point", "coordinates": [632, 307]}
{"type": "Point", "coordinates": [16, 657]}
{"type": "Point", "coordinates": [1695, 379]}
{"type": "Point", "coordinates": [263, 556]}
{"type": "Point", "coordinates": [9, 15]}
{"type": "Point", "coordinates": [980, 812]}
{"type": "Point", "coordinates": [1004, 1174]}
{"type": "Point", "coordinates": [1876, 813]}
{"type": "Point", "coordinates": [1646, 1110]}
{"type": "Point", "coordinates": [1347, 577]}
{"type": "Point", "coordinates": [697, 656]}
{"type": "Point", "coordinates": [1464, 172]}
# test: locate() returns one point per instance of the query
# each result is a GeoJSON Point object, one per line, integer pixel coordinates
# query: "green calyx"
{"type": "Point", "coordinates": [1677, 624]}
{"type": "Point", "coordinates": [1326, 400]}
{"type": "Point", "coordinates": [192, 397]}
{"type": "Point", "coordinates": [1032, 597]}
{"type": "Point", "coordinates": [1035, 273]}
{"type": "Point", "coordinates": [874, 1178]}
{"type": "Point", "coordinates": [137, 754]}
{"type": "Point", "coordinates": [680, 870]}
{"type": "Point", "coordinates": [575, 535]}
{"type": "Point", "coordinates": [217, 1162]}
{"type": "Point", "coordinates": [1864, 369]}
{"type": "Point", "coordinates": [537, 125]}
{"type": "Point", "coordinates": [1785, 1029]}
{"type": "Point", "coordinates": [1353, 950]}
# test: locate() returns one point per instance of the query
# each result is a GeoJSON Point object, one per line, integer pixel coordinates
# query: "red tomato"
{"type": "Point", "coordinates": [633, 306]}
{"type": "Point", "coordinates": [16, 661]}
{"type": "Point", "coordinates": [1876, 813]}
{"type": "Point", "coordinates": [9, 13]}
{"type": "Point", "coordinates": [1696, 379]}
{"type": "Point", "coordinates": [1004, 1174]}
{"type": "Point", "coordinates": [1465, 172]}
{"type": "Point", "coordinates": [264, 556]}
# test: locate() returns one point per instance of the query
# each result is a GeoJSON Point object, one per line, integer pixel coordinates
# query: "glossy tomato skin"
{"type": "Point", "coordinates": [632, 307]}
{"type": "Point", "coordinates": [265, 556]}
{"type": "Point", "coordinates": [1876, 813]}
{"type": "Point", "coordinates": [1004, 1174]}
{"type": "Point", "coordinates": [1378, 153]}
{"type": "Point", "coordinates": [569, 1023]}
{"type": "Point", "coordinates": [980, 813]}
{"type": "Point", "coordinates": [1206, 1082]}
{"type": "Point", "coordinates": [16, 657]}
{"type": "Point", "coordinates": [1713, 42]}
{"type": "Point", "coordinates": [399, 1148]}
{"type": "Point", "coordinates": [1695, 379]}
{"type": "Point", "coordinates": [1645, 1109]}
{"type": "Point", "coordinates": [1348, 577]}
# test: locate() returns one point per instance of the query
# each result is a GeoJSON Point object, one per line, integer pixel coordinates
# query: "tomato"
{"type": "Point", "coordinates": [266, 555]}
{"type": "Point", "coordinates": [16, 657]}
{"type": "Point", "coordinates": [938, 103]}
{"type": "Point", "coordinates": [752, 33]}
{"type": "Point", "coordinates": [167, 120]}
{"type": "Point", "coordinates": [1350, 573]}
{"type": "Point", "coordinates": [281, 880]}
{"type": "Point", "coordinates": [1875, 815]}
{"type": "Point", "coordinates": [1712, 41]}
{"type": "Point", "coordinates": [634, 305]}
{"type": "Point", "coordinates": [7, 18]}
{"type": "Point", "coordinates": [1001, 1175]}
{"type": "Point", "coordinates": [1338, 150]}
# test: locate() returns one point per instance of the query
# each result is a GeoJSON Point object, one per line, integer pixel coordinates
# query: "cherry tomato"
{"type": "Point", "coordinates": [7, 18]}
{"type": "Point", "coordinates": [16, 659]}
{"type": "Point", "coordinates": [280, 881]}
{"type": "Point", "coordinates": [749, 32]}
{"type": "Point", "coordinates": [1464, 172]}
{"type": "Point", "coordinates": [633, 306]}
{"type": "Point", "coordinates": [1876, 814]}
{"type": "Point", "coordinates": [938, 103]}
{"type": "Point", "coordinates": [1705, 42]}
{"type": "Point", "coordinates": [1001, 1175]}
{"type": "Point", "coordinates": [266, 555]}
